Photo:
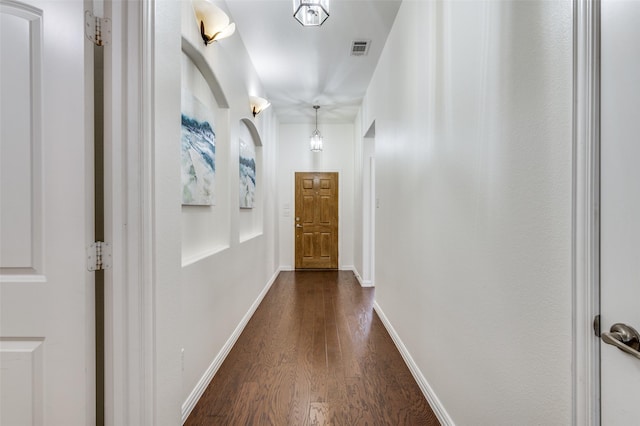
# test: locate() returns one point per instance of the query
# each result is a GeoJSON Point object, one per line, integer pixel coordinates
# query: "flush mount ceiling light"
{"type": "Point", "coordinates": [258, 104]}
{"type": "Point", "coordinates": [311, 13]}
{"type": "Point", "coordinates": [316, 138]}
{"type": "Point", "coordinates": [212, 21]}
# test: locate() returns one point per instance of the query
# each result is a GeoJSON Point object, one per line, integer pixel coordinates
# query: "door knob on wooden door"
{"type": "Point", "coordinates": [298, 225]}
{"type": "Point", "coordinates": [623, 337]}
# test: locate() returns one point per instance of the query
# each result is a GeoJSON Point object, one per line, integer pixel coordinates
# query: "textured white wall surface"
{"type": "Point", "coordinates": [294, 156]}
{"type": "Point", "coordinates": [472, 107]}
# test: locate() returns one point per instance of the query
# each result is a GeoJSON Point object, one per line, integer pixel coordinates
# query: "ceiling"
{"type": "Point", "coordinates": [304, 66]}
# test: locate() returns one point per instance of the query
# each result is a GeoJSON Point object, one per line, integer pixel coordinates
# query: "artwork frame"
{"type": "Point", "coordinates": [248, 176]}
{"type": "Point", "coordinates": [198, 152]}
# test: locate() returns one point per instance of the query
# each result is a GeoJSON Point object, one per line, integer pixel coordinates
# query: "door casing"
{"type": "Point", "coordinates": [128, 164]}
{"type": "Point", "coordinates": [585, 213]}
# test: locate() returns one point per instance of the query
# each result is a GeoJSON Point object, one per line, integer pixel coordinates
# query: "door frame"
{"type": "Point", "coordinates": [585, 216]}
{"type": "Point", "coordinates": [130, 397]}
{"type": "Point", "coordinates": [142, 289]}
{"type": "Point", "coordinates": [129, 287]}
{"type": "Point", "coordinates": [368, 187]}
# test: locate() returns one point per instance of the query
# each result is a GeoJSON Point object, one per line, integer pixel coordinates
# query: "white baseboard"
{"type": "Point", "coordinates": [363, 282]}
{"type": "Point", "coordinates": [206, 378]}
{"type": "Point", "coordinates": [426, 389]}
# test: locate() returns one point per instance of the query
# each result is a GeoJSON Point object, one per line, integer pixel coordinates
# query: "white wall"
{"type": "Point", "coordinates": [337, 156]}
{"type": "Point", "coordinates": [211, 264]}
{"type": "Point", "coordinates": [472, 108]}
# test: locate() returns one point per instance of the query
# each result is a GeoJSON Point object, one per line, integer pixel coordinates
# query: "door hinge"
{"type": "Point", "coordinates": [97, 29]}
{"type": "Point", "coordinates": [98, 256]}
{"type": "Point", "coordinates": [596, 325]}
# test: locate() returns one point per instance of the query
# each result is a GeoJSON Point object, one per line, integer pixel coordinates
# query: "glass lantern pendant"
{"type": "Point", "coordinates": [311, 13]}
{"type": "Point", "coordinates": [316, 138]}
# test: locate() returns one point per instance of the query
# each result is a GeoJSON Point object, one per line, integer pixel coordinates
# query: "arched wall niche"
{"type": "Point", "coordinates": [201, 63]}
{"type": "Point", "coordinates": [251, 219]}
{"type": "Point", "coordinates": [257, 140]}
{"type": "Point", "coordinates": [206, 228]}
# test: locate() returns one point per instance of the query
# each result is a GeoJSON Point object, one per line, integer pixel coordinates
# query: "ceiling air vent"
{"type": "Point", "coordinates": [360, 47]}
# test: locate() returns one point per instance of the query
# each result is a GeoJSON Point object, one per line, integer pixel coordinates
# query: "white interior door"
{"type": "Point", "coordinates": [46, 218]}
{"type": "Point", "coordinates": [620, 213]}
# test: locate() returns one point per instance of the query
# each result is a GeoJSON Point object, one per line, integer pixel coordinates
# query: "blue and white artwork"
{"type": "Point", "coordinates": [198, 157]}
{"type": "Point", "coordinates": [247, 175]}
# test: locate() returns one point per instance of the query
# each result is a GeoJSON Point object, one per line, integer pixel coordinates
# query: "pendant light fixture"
{"type": "Point", "coordinates": [311, 13]}
{"type": "Point", "coordinates": [316, 137]}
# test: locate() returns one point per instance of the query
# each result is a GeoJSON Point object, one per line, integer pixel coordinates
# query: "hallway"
{"type": "Point", "coordinates": [314, 353]}
{"type": "Point", "coordinates": [468, 161]}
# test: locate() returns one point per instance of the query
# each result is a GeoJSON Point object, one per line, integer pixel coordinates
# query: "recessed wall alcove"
{"type": "Point", "coordinates": [250, 221]}
{"type": "Point", "coordinates": [205, 228]}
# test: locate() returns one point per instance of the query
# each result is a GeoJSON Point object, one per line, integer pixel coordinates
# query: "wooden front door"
{"type": "Point", "coordinates": [316, 220]}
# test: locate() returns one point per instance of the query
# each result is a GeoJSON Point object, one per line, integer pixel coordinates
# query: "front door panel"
{"type": "Point", "coordinates": [316, 220]}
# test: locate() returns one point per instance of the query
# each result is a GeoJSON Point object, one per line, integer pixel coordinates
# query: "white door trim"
{"type": "Point", "coordinates": [129, 341]}
{"type": "Point", "coordinates": [586, 204]}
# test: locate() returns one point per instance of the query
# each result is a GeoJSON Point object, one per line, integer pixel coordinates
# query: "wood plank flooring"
{"type": "Point", "coordinates": [314, 353]}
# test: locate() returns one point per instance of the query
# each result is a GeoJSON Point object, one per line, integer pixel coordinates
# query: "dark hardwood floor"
{"type": "Point", "coordinates": [314, 353]}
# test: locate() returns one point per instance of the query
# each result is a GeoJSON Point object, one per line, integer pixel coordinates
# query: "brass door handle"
{"type": "Point", "coordinates": [298, 225]}
{"type": "Point", "coordinates": [623, 337]}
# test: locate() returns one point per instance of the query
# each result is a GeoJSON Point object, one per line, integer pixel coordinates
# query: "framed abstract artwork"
{"type": "Point", "coordinates": [247, 174]}
{"type": "Point", "coordinates": [198, 153]}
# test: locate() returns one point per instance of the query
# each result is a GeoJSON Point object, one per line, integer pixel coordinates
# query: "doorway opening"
{"type": "Point", "coordinates": [369, 204]}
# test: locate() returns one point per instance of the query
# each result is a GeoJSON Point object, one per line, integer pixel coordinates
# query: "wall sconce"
{"type": "Point", "coordinates": [311, 13]}
{"type": "Point", "coordinates": [258, 104]}
{"type": "Point", "coordinates": [213, 22]}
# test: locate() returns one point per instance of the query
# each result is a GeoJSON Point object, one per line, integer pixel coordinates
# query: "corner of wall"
{"type": "Point", "coordinates": [428, 392]}
{"type": "Point", "coordinates": [189, 404]}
